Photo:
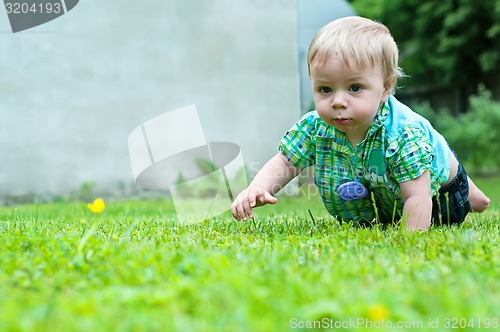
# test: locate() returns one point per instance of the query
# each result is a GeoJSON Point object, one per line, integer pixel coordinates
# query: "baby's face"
{"type": "Point", "coordinates": [348, 97]}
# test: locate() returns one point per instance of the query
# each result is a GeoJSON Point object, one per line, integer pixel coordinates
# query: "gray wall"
{"type": "Point", "coordinates": [73, 89]}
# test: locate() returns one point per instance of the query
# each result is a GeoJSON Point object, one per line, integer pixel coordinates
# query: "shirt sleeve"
{"type": "Point", "coordinates": [411, 154]}
{"type": "Point", "coordinates": [298, 144]}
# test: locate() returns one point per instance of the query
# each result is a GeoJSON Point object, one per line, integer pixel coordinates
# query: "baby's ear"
{"type": "Point", "coordinates": [389, 86]}
{"type": "Point", "coordinates": [387, 92]}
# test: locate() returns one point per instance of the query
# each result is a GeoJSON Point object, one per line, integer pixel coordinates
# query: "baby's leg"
{"type": "Point", "coordinates": [478, 200]}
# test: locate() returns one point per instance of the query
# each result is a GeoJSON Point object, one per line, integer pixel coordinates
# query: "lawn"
{"type": "Point", "coordinates": [133, 268]}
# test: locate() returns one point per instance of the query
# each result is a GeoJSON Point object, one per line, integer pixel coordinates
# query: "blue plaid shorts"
{"type": "Point", "coordinates": [451, 205]}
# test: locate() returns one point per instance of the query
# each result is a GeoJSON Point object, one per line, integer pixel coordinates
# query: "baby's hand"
{"type": "Point", "coordinates": [248, 199]}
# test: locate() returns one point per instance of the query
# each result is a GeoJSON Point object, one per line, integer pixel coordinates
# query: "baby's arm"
{"type": "Point", "coordinates": [275, 174]}
{"type": "Point", "coordinates": [417, 201]}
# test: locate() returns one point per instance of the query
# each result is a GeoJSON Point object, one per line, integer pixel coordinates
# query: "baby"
{"type": "Point", "coordinates": [373, 156]}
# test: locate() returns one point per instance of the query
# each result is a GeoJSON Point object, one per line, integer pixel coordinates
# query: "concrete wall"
{"type": "Point", "coordinates": [73, 89]}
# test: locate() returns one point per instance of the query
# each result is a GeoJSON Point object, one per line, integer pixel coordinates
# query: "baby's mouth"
{"type": "Point", "coordinates": [342, 121]}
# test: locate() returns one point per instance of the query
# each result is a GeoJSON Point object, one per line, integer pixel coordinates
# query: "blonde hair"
{"type": "Point", "coordinates": [366, 42]}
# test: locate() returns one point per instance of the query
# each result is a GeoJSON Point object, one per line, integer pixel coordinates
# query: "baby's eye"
{"type": "Point", "coordinates": [325, 89]}
{"type": "Point", "coordinates": [355, 88]}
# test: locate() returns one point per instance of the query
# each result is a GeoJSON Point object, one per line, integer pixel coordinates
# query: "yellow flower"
{"type": "Point", "coordinates": [97, 207]}
{"type": "Point", "coordinates": [378, 312]}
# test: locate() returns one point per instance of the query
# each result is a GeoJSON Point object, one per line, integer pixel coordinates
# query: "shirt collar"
{"type": "Point", "coordinates": [379, 119]}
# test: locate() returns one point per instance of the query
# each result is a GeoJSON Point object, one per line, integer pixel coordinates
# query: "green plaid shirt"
{"type": "Point", "coordinates": [400, 145]}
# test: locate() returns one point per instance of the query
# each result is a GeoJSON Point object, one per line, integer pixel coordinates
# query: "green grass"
{"type": "Point", "coordinates": [132, 268]}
